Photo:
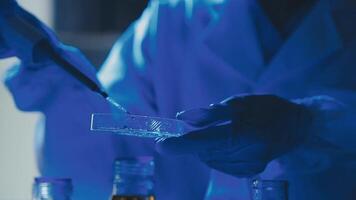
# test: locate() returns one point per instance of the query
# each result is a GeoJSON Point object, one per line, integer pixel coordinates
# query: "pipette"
{"type": "Point", "coordinates": [41, 42]}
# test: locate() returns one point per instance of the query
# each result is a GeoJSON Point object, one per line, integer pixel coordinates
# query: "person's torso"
{"type": "Point", "coordinates": [204, 61]}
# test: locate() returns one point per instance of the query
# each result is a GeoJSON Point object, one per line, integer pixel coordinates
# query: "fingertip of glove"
{"type": "Point", "coordinates": [194, 117]}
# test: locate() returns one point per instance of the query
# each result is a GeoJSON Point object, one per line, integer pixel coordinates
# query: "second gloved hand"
{"type": "Point", "coordinates": [242, 134]}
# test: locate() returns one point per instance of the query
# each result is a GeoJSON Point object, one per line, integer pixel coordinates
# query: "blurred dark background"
{"type": "Point", "coordinates": [94, 25]}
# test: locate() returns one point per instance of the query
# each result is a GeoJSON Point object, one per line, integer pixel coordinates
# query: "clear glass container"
{"type": "Point", "coordinates": [133, 179]}
{"type": "Point", "coordinates": [136, 125]}
{"type": "Point", "coordinates": [269, 190]}
{"type": "Point", "coordinates": [52, 189]}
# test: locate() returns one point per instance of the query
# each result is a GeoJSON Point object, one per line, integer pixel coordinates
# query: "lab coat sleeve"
{"type": "Point", "coordinates": [130, 72]}
{"type": "Point", "coordinates": [127, 72]}
{"type": "Point", "coordinates": [332, 139]}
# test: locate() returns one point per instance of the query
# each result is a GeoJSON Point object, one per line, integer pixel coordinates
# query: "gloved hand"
{"type": "Point", "coordinates": [5, 6]}
{"type": "Point", "coordinates": [242, 134]}
{"type": "Point", "coordinates": [35, 81]}
{"type": "Point", "coordinates": [21, 33]}
{"type": "Point", "coordinates": [35, 86]}
{"type": "Point", "coordinates": [5, 51]}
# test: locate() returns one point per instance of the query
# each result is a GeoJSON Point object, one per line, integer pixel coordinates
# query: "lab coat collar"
{"type": "Point", "coordinates": [316, 38]}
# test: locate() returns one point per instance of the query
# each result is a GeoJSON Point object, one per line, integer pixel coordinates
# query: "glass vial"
{"type": "Point", "coordinates": [133, 179]}
{"type": "Point", "coordinates": [269, 190]}
{"type": "Point", "coordinates": [52, 189]}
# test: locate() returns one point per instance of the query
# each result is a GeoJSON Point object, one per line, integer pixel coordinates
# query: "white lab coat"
{"type": "Point", "coordinates": [187, 54]}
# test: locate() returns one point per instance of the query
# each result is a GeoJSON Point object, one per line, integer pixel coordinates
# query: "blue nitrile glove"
{"type": "Point", "coordinates": [5, 6]}
{"type": "Point", "coordinates": [34, 82]}
{"type": "Point", "coordinates": [35, 86]}
{"type": "Point", "coordinates": [5, 51]}
{"type": "Point", "coordinates": [21, 32]}
{"type": "Point", "coordinates": [242, 134]}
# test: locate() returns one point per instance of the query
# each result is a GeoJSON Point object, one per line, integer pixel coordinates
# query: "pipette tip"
{"type": "Point", "coordinates": [116, 105]}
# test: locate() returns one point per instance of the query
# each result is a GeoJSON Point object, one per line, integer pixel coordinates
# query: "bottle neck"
{"type": "Point", "coordinates": [269, 189]}
{"type": "Point", "coordinates": [133, 186]}
{"type": "Point", "coordinates": [52, 189]}
{"type": "Point", "coordinates": [134, 177]}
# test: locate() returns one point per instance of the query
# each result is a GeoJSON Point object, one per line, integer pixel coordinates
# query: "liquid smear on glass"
{"type": "Point", "coordinates": [154, 129]}
{"type": "Point", "coordinates": [134, 125]}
